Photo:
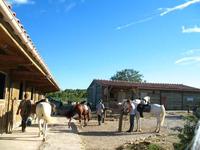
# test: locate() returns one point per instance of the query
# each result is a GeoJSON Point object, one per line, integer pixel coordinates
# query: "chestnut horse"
{"type": "Point", "coordinates": [82, 110]}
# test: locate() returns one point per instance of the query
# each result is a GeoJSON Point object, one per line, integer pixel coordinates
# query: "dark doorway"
{"type": "Point", "coordinates": [2, 85]}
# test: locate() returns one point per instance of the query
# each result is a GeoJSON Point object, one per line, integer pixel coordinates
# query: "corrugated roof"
{"type": "Point", "coordinates": [143, 85]}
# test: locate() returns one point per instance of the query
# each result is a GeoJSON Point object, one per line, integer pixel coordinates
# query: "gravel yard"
{"type": "Point", "coordinates": [107, 137]}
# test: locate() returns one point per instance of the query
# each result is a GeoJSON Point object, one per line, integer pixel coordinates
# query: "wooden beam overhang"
{"type": "Point", "coordinates": [9, 58]}
{"type": "Point", "coordinates": [20, 52]}
{"type": "Point", "coordinates": [20, 48]}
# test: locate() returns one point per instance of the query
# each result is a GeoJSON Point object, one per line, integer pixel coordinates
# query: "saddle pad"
{"type": "Point", "coordinates": [86, 107]}
{"type": "Point", "coordinates": [147, 108]}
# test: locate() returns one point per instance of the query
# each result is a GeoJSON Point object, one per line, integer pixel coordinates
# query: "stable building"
{"type": "Point", "coordinates": [22, 70]}
{"type": "Point", "coordinates": [173, 96]}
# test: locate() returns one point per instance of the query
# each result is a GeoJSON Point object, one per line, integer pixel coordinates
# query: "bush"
{"type": "Point", "coordinates": [154, 147]}
{"type": "Point", "coordinates": [187, 133]}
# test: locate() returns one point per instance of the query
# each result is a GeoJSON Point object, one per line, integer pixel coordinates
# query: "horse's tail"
{"type": "Point", "coordinates": [163, 113]}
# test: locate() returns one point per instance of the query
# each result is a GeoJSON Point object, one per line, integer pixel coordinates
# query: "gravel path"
{"type": "Point", "coordinates": [106, 137]}
{"type": "Point", "coordinates": [60, 137]}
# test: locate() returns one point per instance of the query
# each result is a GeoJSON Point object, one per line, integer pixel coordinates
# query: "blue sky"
{"type": "Point", "coordinates": [82, 40]}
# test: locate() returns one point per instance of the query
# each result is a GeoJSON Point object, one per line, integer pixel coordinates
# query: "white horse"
{"type": "Point", "coordinates": [156, 110]}
{"type": "Point", "coordinates": [43, 112]}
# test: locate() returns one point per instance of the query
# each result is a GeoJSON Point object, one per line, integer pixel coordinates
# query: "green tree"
{"type": "Point", "coordinates": [70, 95]}
{"type": "Point", "coordinates": [128, 75]}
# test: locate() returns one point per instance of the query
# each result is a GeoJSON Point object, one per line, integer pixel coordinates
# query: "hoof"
{"type": "Point", "coordinates": [157, 131]}
{"type": "Point", "coordinates": [44, 139]}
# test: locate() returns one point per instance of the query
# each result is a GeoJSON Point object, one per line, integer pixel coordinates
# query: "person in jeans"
{"type": "Point", "coordinates": [100, 112]}
{"type": "Point", "coordinates": [131, 110]}
{"type": "Point", "coordinates": [25, 111]}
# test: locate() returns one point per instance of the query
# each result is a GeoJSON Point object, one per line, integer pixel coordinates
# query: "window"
{"type": "Point", "coordinates": [2, 85]}
{"type": "Point", "coordinates": [21, 89]}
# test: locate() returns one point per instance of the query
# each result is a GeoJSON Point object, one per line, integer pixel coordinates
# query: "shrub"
{"type": "Point", "coordinates": [154, 147]}
{"type": "Point", "coordinates": [187, 133]}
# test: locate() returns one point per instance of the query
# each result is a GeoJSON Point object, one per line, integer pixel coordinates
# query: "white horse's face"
{"type": "Point", "coordinates": [147, 99]}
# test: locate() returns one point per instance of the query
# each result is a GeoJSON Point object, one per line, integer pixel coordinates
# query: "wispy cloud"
{"type": "Point", "coordinates": [195, 29]}
{"type": "Point", "coordinates": [178, 7]}
{"type": "Point", "coordinates": [20, 2]}
{"type": "Point", "coordinates": [189, 57]}
{"type": "Point", "coordinates": [133, 23]}
{"type": "Point", "coordinates": [188, 60]}
{"type": "Point", "coordinates": [162, 12]}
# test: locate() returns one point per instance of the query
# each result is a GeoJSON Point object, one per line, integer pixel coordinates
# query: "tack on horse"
{"type": "Point", "coordinates": [82, 110]}
{"type": "Point", "coordinates": [156, 110]}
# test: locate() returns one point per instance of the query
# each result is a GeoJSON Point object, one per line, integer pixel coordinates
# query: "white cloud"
{"type": "Point", "coordinates": [20, 2]}
{"type": "Point", "coordinates": [188, 60]}
{"type": "Point", "coordinates": [178, 7]}
{"type": "Point", "coordinates": [195, 29]}
{"type": "Point", "coordinates": [133, 23]}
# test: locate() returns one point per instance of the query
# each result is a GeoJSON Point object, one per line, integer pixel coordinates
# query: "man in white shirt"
{"type": "Point", "coordinates": [100, 111]}
{"type": "Point", "coordinates": [131, 110]}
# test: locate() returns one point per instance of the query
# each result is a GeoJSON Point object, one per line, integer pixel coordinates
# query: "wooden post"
{"type": "Point", "coordinates": [120, 122]}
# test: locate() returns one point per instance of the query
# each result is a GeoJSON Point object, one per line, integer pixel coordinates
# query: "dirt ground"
{"type": "Point", "coordinates": [106, 136]}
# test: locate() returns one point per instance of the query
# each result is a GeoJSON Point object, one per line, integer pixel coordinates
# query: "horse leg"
{"type": "Point", "coordinates": [40, 127]}
{"type": "Point", "coordinates": [44, 131]}
{"type": "Point", "coordinates": [138, 122]}
{"type": "Point", "coordinates": [80, 120]}
{"type": "Point", "coordinates": [88, 116]}
{"type": "Point", "coordinates": [69, 123]}
{"type": "Point", "coordinates": [157, 125]}
{"type": "Point", "coordinates": [85, 124]}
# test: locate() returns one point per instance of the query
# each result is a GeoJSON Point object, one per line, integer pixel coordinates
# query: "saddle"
{"type": "Point", "coordinates": [143, 108]}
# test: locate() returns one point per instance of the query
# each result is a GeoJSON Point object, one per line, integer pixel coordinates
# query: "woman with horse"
{"type": "Point", "coordinates": [156, 110]}
{"type": "Point", "coordinates": [82, 110]}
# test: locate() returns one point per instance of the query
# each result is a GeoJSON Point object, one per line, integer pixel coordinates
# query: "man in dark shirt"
{"type": "Point", "coordinates": [25, 110]}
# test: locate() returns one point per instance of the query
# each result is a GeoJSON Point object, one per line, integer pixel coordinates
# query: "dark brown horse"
{"type": "Point", "coordinates": [82, 110]}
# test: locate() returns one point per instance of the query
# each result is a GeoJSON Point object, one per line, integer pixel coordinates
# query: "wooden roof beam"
{"type": "Point", "coordinates": [11, 58]}
{"type": "Point", "coordinates": [18, 72]}
{"type": "Point", "coordinates": [27, 77]}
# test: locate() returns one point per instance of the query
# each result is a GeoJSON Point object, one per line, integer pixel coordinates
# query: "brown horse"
{"type": "Point", "coordinates": [82, 110]}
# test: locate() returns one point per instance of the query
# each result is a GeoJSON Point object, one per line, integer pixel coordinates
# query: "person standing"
{"type": "Point", "coordinates": [25, 111]}
{"type": "Point", "coordinates": [100, 112]}
{"type": "Point", "coordinates": [131, 110]}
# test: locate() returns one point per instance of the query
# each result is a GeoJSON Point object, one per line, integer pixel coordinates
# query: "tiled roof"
{"type": "Point", "coordinates": [6, 8]}
{"type": "Point", "coordinates": [158, 86]}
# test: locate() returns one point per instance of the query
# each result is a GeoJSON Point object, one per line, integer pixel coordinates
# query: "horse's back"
{"type": "Point", "coordinates": [156, 108]}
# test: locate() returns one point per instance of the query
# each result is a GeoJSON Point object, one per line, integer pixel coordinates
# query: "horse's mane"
{"type": "Point", "coordinates": [42, 100]}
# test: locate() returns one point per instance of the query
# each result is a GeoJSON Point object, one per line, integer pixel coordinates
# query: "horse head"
{"type": "Point", "coordinates": [146, 99]}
